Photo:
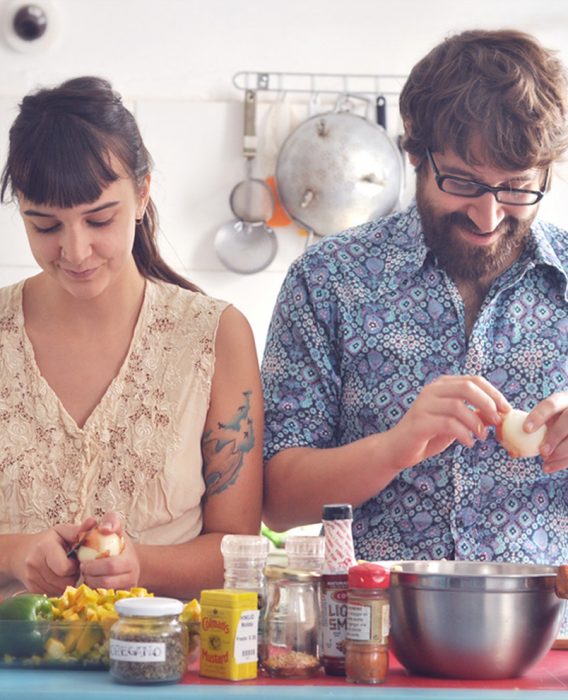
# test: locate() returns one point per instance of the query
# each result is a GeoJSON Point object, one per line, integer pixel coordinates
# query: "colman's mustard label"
{"type": "Point", "coordinates": [229, 634]}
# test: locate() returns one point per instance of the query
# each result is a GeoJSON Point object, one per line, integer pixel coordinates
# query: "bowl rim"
{"type": "Point", "coordinates": [473, 575]}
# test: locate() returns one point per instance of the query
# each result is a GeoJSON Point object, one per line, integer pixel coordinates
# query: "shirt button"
{"type": "Point", "coordinates": [78, 443]}
{"type": "Point", "coordinates": [460, 522]}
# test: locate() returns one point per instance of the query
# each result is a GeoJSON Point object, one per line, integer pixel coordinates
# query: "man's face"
{"type": "Point", "coordinates": [474, 238]}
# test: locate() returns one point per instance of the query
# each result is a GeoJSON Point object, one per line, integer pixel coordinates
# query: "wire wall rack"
{"type": "Point", "coordinates": [320, 83]}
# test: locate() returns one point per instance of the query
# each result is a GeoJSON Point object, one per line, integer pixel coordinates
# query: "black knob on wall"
{"type": "Point", "coordinates": [30, 22]}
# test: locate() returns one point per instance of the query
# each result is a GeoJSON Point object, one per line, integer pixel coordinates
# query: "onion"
{"type": "Point", "coordinates": [96, 545]}
{"type": "Point", "coordinates": [513, 437]}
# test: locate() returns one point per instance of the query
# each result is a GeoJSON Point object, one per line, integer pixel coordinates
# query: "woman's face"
{"type": "Point", "coordinates": [88, 247]}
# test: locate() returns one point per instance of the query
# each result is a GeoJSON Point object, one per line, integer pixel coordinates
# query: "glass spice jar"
{"type": "Point", "coordinates": [148, 643]}
{"type": "Point", "coordinates": [244, 558]}
{"type": "Point", "coordinates": [305, 552]}
{"type": "Point", "coordinates": [291, 627]}
{"type": "Point", "coordinates": [366, 652]}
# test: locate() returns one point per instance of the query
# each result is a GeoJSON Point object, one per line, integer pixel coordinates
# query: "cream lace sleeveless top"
{"type": "Point", "coordinates": [139, 452]}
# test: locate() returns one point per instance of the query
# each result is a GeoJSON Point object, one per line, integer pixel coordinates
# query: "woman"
{"type": "Point", "coordinates": [128, 398]}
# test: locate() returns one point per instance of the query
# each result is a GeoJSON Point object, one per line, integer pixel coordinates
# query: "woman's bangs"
{"type": "Point", "coordinates": [62, 167]}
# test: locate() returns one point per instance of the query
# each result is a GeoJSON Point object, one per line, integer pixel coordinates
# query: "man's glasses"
{"type": "Point", "coordinates": [461, 187]}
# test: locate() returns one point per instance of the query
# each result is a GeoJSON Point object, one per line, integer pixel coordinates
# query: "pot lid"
{"type": "Point", "coordinates": [337, 170]}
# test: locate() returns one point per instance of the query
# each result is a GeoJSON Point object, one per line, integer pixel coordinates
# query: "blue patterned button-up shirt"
{"type": "Point", "coordinates": [363, 321]}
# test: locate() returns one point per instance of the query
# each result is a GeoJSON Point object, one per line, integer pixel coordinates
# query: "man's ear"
{"type": "Point", "coordinates": [415, 161]}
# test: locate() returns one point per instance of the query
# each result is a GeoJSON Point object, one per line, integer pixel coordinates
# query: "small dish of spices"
{"type": "Point", "coordinates": [148, 643]}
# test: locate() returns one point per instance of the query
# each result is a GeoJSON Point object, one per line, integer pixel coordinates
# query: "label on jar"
{"type": "Point", "coordinates": [334, 619]}
{"type": "Point", "coordinates": [137, 652]}
{"type": "Point", "coordinates": [246, 637]}
{"type": "Point", "coordinates": [368, 622]}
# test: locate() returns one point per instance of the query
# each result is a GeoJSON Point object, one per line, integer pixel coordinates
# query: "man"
{"type": "Point", "coordinates": [396, 348]}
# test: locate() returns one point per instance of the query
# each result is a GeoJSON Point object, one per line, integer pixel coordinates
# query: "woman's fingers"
{"type": "Point", "coordinates": [120, 571]}
{"type": "Point", "coordinates": [111, 522]}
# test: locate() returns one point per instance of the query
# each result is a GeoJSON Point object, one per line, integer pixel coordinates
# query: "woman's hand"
{"type": "Point", "coordinates": [119, 571]}
{"type": "Point", "coordinates": [42, 564]}
{"type": "Point", "coordinates": [552, 412]}
{"type": "Point", "coordinates": [450, 408]}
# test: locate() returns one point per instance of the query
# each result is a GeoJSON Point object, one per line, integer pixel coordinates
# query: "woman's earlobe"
{"type": "Point", "coordinates": [144, 195]}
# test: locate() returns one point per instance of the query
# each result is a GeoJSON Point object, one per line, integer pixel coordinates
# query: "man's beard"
{"type": "Point", "coordinates": [460, 259]}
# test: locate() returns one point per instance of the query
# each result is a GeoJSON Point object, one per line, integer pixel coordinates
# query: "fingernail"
{"type": "Point", "coordinates": [545, 450]}
{"type": "Point", "coordinates": [529, 425]}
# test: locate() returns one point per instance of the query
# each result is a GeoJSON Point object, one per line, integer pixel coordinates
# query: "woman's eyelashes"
{"type": "Point", "coordinates": [46, 229]}
{"type": "Point", "coordinates": [101, 224]}
{"type": "Point", "coordinates": [55, 227]}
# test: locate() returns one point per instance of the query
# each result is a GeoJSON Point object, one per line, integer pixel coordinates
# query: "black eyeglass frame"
{"type": "Point", "coordinates": [482, 188]}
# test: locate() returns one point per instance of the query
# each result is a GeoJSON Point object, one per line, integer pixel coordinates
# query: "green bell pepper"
{"type": "Point", "coordinates": [27, 635]}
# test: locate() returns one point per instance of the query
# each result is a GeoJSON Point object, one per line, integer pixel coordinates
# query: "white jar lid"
{"type": "Point", "coordinates": [148, 607]}
{"type": "Point", "coordinates": [252, 546]}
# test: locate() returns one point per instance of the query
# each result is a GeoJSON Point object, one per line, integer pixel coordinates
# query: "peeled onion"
{"type": "Point", "coordinates": [514, 439]}
{"type": "Point", "coordinates": [96, 545]}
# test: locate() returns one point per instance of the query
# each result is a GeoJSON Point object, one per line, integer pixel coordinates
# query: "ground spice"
{"type": "Point", "coordinates": [366, 657]}
{"type": "Point", "coordinates": [292, 664]}
{"type": "Point", "coordinates": [367, 662]}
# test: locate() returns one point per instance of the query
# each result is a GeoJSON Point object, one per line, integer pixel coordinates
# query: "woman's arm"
{"type": "Point", "coordinates": [232, 469]}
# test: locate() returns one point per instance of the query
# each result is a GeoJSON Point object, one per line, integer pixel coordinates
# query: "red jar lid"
{"type": "Point", "coordinates": [368, 575]}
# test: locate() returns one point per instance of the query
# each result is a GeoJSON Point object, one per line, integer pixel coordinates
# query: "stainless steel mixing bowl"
{"type": "Point", "coordinates": [469, 620]}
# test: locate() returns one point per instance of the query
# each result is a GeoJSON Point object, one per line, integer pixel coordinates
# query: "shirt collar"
{"type": "Point", "coordinates": [409, 236]}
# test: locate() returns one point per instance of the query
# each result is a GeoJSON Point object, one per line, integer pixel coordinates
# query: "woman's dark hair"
{"type": "Point", "coordinates": [501, 86]}
{"type": "Point", "coordinates": [59, 154]}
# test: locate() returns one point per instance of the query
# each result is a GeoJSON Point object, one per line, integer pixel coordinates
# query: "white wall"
{"type": "Point", "coordinates": [173, 60]}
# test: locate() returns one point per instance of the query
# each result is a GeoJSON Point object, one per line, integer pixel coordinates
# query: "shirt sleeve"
{"type": "Point", "coordinates": [300, 369]}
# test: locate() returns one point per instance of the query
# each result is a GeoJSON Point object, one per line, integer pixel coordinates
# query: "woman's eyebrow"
{"type": "Point", "coordinates": [101, 207]}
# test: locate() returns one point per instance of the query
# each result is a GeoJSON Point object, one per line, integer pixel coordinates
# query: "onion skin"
{"type": "Point", "coordinates": [518, 443]}
{"type": "Point", "coordinates": [97, 545]}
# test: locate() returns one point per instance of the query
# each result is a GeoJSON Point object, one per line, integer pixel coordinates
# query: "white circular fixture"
{"type": "Point", "coordinates": [30, 27]}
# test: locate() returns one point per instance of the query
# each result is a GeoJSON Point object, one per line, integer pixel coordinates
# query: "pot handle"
{"type": "Point", "coordinates": [249, 135]}
{"type": "Point", "coordinates": [381, 107]}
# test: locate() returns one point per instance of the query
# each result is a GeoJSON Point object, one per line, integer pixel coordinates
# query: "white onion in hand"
{"type": "Point", "coordinates": [96, 545]}
{"type": "Point", "coordinates": [514, 439]}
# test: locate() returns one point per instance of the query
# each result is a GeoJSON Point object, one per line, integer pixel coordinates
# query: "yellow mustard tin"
{"type": "Point", "coordinates": [229, 634]}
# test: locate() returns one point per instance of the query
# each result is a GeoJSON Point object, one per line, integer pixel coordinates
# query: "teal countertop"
{"type": "Point", "coordinates": [547, 680]}
{"type": "Point", "coordinates": [97, 685]}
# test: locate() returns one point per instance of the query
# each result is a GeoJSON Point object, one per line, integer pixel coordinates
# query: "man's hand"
{"type": "Point", "coordinates": [552, 412]}
{"type": "Point", "coordinates": [450, 408]}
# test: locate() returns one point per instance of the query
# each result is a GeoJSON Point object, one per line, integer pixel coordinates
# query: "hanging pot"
{"type": "Point", "coordinates": [337, 170]}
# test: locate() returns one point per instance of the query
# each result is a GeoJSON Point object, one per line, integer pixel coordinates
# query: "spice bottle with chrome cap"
{"type": "Point", "coordinates": [339, 558]}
